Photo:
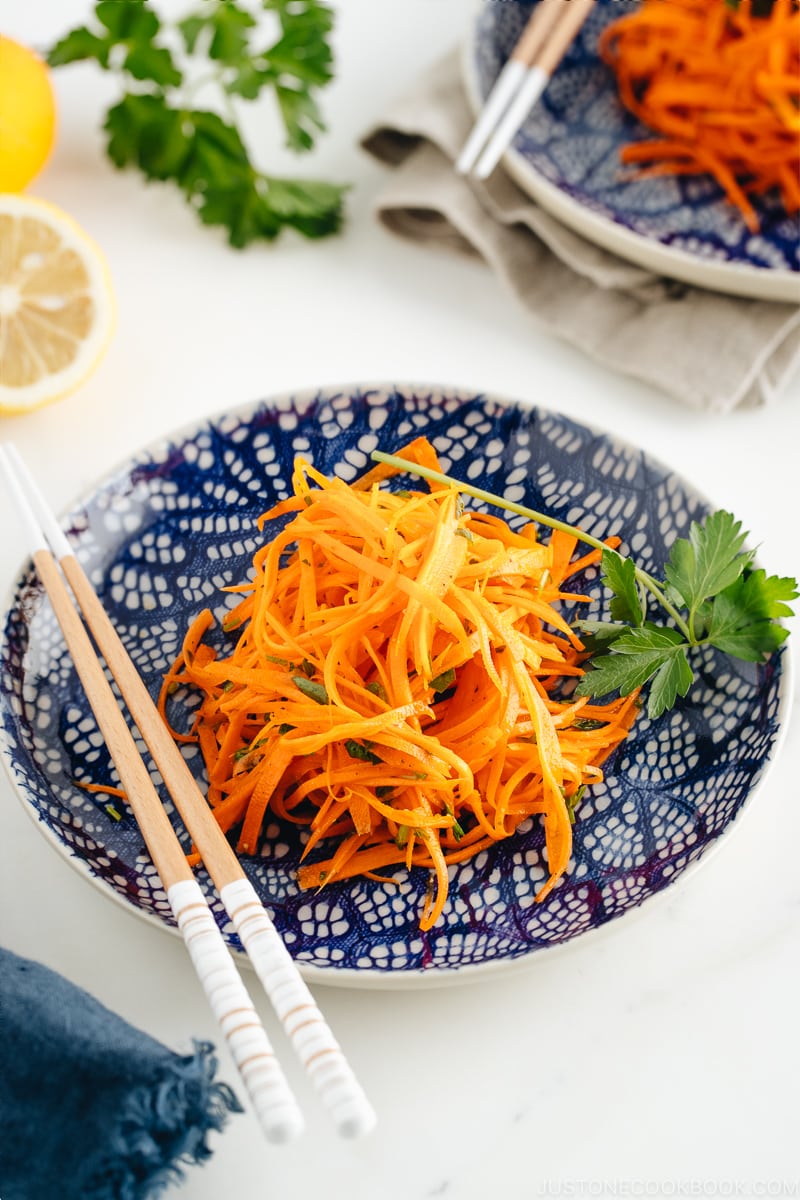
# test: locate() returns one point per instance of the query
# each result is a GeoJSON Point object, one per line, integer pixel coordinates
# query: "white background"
{"type": "Point", "coordinates": [661, 1056]}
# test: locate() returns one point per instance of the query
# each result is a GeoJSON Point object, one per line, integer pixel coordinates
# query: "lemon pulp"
{"type": "Point", "coordinates": [56, 311]}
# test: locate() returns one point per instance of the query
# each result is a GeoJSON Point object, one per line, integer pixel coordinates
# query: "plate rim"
{"type": "Point", "coordinates": [731, 279]}
{"type": "Point", "coordinates": [354, 977]}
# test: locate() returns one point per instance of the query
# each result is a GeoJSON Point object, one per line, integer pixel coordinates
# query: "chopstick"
{"type": "Point", "coordinates": [551, 29]}
{"type": "Point", "coordinates": [296, 1008]}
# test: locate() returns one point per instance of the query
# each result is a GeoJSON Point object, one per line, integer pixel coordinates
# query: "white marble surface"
{"type": "Point", "coordinates": [659, 1059]}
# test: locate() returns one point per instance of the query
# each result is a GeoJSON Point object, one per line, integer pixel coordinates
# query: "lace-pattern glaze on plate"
{"type": "Point", "coordinates": [572, 138]}
{"type": "Point", "coordinates": [162, 536]}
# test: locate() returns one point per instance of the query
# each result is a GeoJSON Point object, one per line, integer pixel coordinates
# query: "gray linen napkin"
{"type": "Point", "coordinates": [708, 350]}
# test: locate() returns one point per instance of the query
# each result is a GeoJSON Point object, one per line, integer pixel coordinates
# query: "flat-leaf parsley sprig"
{"type": "Point", "coordinates": [157, 126]}
{"type": "Point", "coordinates": [711, 593]}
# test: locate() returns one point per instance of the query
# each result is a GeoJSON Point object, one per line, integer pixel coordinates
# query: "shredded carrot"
{"type": "Point", "coordinates": [105, 790]}
{"type": "Point", "coordinates": [720, 85]}
{"type": "Point", "coordinates": [102, 788]}
{"type": "Point", "coordinates": [399, 685]}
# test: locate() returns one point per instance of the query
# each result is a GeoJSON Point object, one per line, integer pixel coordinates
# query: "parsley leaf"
{"type": "Point", "coordinates": [143, 131]}
{"type": "Point", "coordinates": [741, 619]}
{"type": "Point", "coordinates": [303, 49]}
{"type": "Point", "coordinates": [643, 653]}
{"type": "Point", "coordinates": [619, 574]}
{"type": "Point", "coordinates": [444, 681]}
{"type": "Point", "coordinates": [297, 63]}
{"type": "Point", "coordinates": [314, 691]}
{"type": "Point", "coordinates": [709, 560]}
{"type": "Point", "coordinates": [231, 27]}
{"type": "Point", "coordinates": [147, 61]}
{"type": "Point", "coordinates": [132, 27]}
{"type": "Point", "coordinates": [730, 606]}
{"type": "Point", "coordinates": [78, 45]}
{"type": "Point", "coordinates": [597, 635]}
{"type": "Point", "coordinates": [134, 21]}
{"type": "Point", "coordinates": [361, 750]}
{"type": "Point", "coordinates": [156, 127]}
{"type": "Point", "coordinates": [301, 116]}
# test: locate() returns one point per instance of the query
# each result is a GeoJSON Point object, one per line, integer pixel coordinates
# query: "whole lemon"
{"type": "Point", "coordinates": [27, 115]}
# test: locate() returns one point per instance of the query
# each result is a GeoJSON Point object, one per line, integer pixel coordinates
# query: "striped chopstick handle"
{"type": "Point", "coordinates": [274, 1104]}
{"type": "Point", "coordinates": [307, 1029]}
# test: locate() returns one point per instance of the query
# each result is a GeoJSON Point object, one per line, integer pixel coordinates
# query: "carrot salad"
{"type": "Point", "coordinates": [720, 85]}
{"type": "Point", "coordinates": [399, 684]}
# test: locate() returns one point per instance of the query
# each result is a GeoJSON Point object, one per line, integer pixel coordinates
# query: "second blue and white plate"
{"type": "Point", "coordinates": [566, 157]}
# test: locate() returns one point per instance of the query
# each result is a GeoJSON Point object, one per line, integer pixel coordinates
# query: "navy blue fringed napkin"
{"type": "Point", "coordinates": [91, 1108]}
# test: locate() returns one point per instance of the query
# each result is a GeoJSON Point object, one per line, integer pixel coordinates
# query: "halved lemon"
{"type": "Point", "coordinates": [56, 304]}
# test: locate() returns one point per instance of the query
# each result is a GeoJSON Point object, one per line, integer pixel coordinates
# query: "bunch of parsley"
{"type": "Point", "coordinates": [156, 127]}
{"type": "Point", "coordinates": [713, 596]}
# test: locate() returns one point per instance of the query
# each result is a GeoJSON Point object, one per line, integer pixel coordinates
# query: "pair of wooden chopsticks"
{"type": "Point", "coordinates": [308, 1032]}
{"type": "Point", "coordinates": [553, 26]}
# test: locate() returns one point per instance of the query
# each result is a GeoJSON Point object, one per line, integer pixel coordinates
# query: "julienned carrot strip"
{"type": "Point", "coordinates": [102, 788]}
{"type": "Point", "coordinates": [399, 684]}
{"type": "Point", "coordinates": [697, 73]}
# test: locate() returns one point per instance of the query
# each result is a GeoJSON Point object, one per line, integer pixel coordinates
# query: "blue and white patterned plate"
{"type": "Point", "coordinates": [161, 536]}
{"type": "Point", "coordinates": [566, 156]}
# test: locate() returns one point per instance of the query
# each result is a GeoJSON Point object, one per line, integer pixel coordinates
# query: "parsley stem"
{"type": "Point", "coordinates": [394, 460]}
{"type": "Point", "coordinates": [654, 589]}
{"type": "Point", "coordinates": [647, 581]}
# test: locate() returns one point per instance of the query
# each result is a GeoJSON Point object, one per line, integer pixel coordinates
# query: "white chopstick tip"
{"type": "Point", "coordinates": [284, 1131]}
{"type": "Point", "coordinates": [34, 535]}
{"type": "Point", "coordinates": [533, 85]}
{"type": "Point", "coordinates": [550, 30]}
{"type": "Point", "coordinates": [310, 1036]}
{"type": "Point", "coordinates": [50, 530]}
{"type": "Point", "coordinates": [357, 1124]}
{"type": "Point", "coordinates": [272, 1099]}
{"type": "Point", "coordinates": [503, 91]}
